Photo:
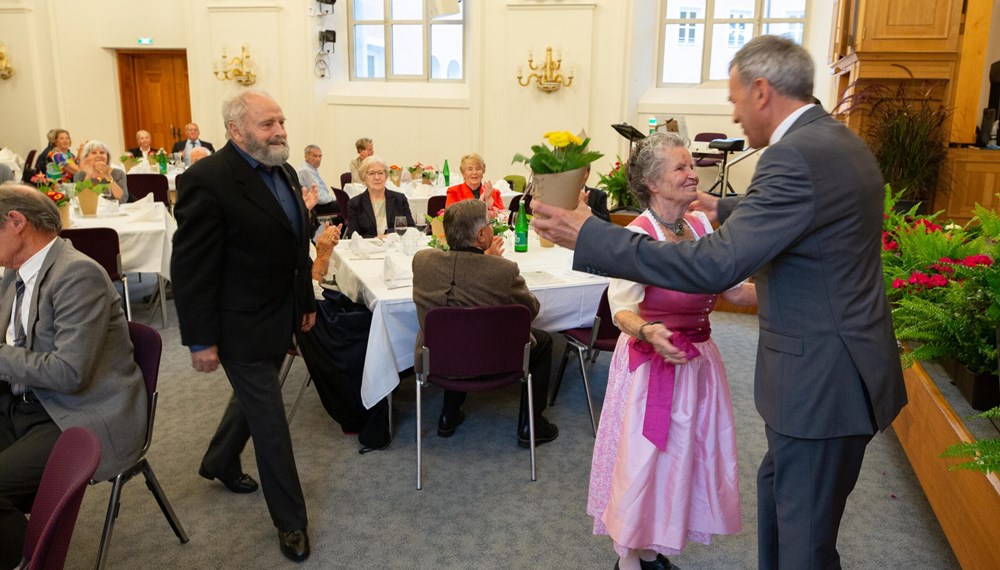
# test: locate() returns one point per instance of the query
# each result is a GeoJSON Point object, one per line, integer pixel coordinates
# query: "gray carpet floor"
{"type": "Point", "coordinates": [478, 508]}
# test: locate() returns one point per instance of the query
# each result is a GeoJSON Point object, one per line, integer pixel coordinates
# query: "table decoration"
{"type": "Point", "coordinates": [557, 173]}
{"type": "Point", "coordinates": [88, 194]}
{"type": "Point", "coordinates": [395, 174]}
{"type": "Point", "coordinates": [61, 200]}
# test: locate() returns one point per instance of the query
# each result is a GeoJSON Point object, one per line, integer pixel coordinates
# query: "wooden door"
{"type": "Point", "coordinates": [154, 94]}
{"type": "Point", "coordinates": [910, 26]}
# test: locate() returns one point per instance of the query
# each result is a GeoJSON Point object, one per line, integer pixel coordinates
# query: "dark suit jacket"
{"type": "Point", "coordinates": [241, 275]}
{"type": "Point", "coordinates": [78, 358]}
{"type": "Point", "coordinates": [809, 231]}
{"type": "Point", "coordinates": [179, 145]}
{"type": "Point", "coordinates": [137, 152]}
{"type": "Point", "coordinates": [465, 279]}
{"type": "Point", "coordinates": [598, 202]}
{"type": "Point", "coordinates": [361, 214]}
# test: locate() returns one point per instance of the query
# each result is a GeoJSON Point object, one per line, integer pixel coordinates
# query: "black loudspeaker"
{"type": "Point", "coordinates": [986, 127]}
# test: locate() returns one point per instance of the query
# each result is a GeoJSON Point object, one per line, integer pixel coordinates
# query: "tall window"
{"type": "Point", "coordinates": [700, 37]}
{"type": "Point", "coordinates": [406, 40]}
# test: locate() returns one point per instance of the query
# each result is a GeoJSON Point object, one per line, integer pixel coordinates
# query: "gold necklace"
{"type": "Point", "coordinates": [677, 227]}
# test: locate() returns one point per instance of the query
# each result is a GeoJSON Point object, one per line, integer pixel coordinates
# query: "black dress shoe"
{"type": "Point", "coordinates": [665, 562]}
{"type": "Point", "coordinates": [448, 424]}
{"type": "Point", "coordinates": [661, 563]}
{"type": "Point", "coordinates": [545, 431]}
{"type": "Point", "coordinates": [242, 483]}
{"type": "Point", "coordinates": [294, 544]}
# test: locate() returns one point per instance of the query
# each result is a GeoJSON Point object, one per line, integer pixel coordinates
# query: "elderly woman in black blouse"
{"type": "Point", "coordinates": [374, 211]}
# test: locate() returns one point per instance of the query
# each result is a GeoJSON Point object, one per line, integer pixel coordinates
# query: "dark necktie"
{"type": "Point", "coordinates": [19, 337]}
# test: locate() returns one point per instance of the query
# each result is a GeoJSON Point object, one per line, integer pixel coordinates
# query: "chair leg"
{"type": "Point", "coordinates": [559, 376]}
{"type": "Point", "coordinates": [419, 436]}
{"type": "Point", "coordinates": [286, 365]}
{"type": "Point", "coordinates": [161, 285]}
{"type": "Point", "coordinates": [128, 298]}
{"type": "Point", "coordinates": [581, 357]}
{"type": "Point", "coordinates": [594, 353]}
{"type": "Point", "coordinates": [109, 521]}
{"type": "Point", "coordinates": [389, 402]}
{"type": "Point", "coordinates": [298, 397]}
{"type": "Point", "coordinates": [161, 499]}
{"type": "Point", "coordinates": [531, 427]}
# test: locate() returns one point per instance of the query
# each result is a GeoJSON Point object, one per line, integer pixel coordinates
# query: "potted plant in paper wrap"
{"type": "Point", "coordinates": [61, 200]}
{"type": "Point", "coordinates": [557, 173]}
{"type": "Point", "coordinates": [88, 195]}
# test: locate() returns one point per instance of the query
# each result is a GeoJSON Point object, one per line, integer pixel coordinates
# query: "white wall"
{"type": "Point", "coordinates": [66, 76]}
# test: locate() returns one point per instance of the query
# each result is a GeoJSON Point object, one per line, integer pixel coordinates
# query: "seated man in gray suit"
{"type": "Point", "coordinates": [473, 274]}
{"type": "Point", "coordinates": [66, 359]}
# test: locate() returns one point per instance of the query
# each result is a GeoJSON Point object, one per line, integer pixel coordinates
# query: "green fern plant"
{"type": "Point", "coordinates": [982, 455]}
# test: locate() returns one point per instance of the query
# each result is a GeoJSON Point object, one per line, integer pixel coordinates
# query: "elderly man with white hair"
{"type": "Point", "coordinates": [95, 164]}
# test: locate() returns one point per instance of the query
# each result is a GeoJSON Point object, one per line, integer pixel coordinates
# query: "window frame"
{"type": "Point", "coordinates": [387, 23]}
{"type": "Point", "coordinates": [708, 21]}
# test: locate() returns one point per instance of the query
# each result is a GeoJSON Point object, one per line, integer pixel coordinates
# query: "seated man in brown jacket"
{"type": "Point", "coordinates": [473, 273]}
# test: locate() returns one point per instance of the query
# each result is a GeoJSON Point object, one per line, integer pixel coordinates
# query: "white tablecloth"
{"type": "Point", "coordinates": [569, 300]}
{"type": "Point", "coordinates": [145, 234]}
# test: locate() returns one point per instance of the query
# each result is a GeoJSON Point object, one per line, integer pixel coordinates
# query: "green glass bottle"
{"type": "Point", "coordinates": [652, 125]}
{"type": "Point", "coordinates": [161, 161]}
{"type": "Point", "coordinates": [521, 229]}
{"type": "Point", "coordinates": [447, 173]}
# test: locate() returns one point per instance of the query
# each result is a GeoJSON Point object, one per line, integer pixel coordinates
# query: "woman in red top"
{"type": "Point", "coordinates": [472, 167]}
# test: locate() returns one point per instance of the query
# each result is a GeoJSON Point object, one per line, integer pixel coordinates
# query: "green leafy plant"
{"type": "Point", "coordinates": [615, 183]}
{"type": "Point", "coordinates": [568, 152]}
{"type": "Point", "coordinates": [89, 184]}
{"type": "Point", "coordinates": [983, 455]}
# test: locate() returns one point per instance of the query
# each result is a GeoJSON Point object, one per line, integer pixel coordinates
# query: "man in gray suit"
{"type": "Point", "coordinates": [66, 360]}
{"type": "Point", "coordinates": [808, 229]}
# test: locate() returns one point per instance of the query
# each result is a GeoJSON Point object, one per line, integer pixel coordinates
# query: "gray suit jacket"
{"type": "Point", "coordinates": [465, 279]}
{"type": "Point", "coordinates": [809, 231]}
{"type": "Point", "coordinates": [78, 359]}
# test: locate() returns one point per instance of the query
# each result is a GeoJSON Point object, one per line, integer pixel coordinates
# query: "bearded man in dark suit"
{"type": "Point", "coordinates": [241, 284]}
{"type": "Point", "coordinates": [828, 374]}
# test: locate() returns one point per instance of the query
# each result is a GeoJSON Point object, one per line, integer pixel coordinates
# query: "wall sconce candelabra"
{"type": "Point", "coordinates": [546, 76]}
{"type": "Point", "coordinates": [5, 69]}
{"type": "Point", "coordinates": [238, 69]}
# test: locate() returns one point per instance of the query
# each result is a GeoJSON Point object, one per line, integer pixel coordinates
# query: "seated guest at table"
{"type": "Point", "coordinates": [472, 166]}
{"type": "Point", "coordinates": [309, 174]}
{"type": "Point", "coordinates": [365, 148]}
{"type": "Point", "coordinates": [473, 274]}
{"type": "Point", "coordinates": [60, 162]}
{"type": "Point", "coordinates": [192, 141]}
{"type": "Point", "coordinates": [94, 165]}
{"type": "Point", "coordinates": [66, 360]}
{"type": "Point", "coordinates": [374, 211]}
{"type": "Point", "coordinates": [43, 156]}
{"type": "Point", "coordinates": [198, 153]}
{"type": "Point", "coordinates": [597, 200]}
{"type": "Point", "coordinates": [145, 141]}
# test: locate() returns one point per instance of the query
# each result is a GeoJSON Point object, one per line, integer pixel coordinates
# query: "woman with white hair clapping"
{"type": "Point", "coordinates": [95, 165]}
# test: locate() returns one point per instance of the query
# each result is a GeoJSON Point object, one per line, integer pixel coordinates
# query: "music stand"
{"type": "Point", "coordinates": [727, 146]}
{"type": "Point", "coordinates": [629, 132]}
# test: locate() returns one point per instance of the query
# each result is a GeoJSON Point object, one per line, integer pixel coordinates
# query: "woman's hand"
{"type": "Point", "coordinates": [101, 170]}
{"type": "Point", "coordinates": [659, 337]}
{"type": "Point", "coordinates": [486, 194]}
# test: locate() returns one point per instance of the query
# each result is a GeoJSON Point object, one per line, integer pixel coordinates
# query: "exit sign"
{"type": "Point", "coordinates": [145, 41]}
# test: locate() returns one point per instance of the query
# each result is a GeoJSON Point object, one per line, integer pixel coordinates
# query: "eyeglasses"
{"type": "Point", "coordinates": [375, 173]}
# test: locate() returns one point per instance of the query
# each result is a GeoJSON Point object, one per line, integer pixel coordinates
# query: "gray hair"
{"type": "Point", "coordinates": [471, 157]}
{"type": "Point", "coordinates": [94, 144]}
{"type": "Point", "coordinates": [40, 212]}
{"type": "Point", "coordinates": [361, 143]}
{"type": "Point", "coordinates": [786, 65]}
{"type": "Point", "coordinates": [369, 162]}
{"type": "Point", "coordinates": [462, 221]}
{"type": "Point", "coordinates": [311, 147]}
{"type": "Point", "coordinates": [235, 108]}
{"type": "Point", "coordinates": [645, 163]}
{"type": "Point", "coordinates": [52, 135]}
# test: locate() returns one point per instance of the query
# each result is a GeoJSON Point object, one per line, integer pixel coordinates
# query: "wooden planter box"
{"type": "Point", "coordinates": [966, 503]}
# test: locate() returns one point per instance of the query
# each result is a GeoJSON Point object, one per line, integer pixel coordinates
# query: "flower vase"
{"type": "Point", "coordinates": [88, 202]}
{"type": "Point", "coordinates": [395, 177]}
{"type": "Point", "coordinates": [437, 227]}
{"type": "Point", "coordinates": [416, 174]}
{"type": "Point", "coordinates": [544, 242]}
{"type": "Point", "coordinates": [64, 216]}
{"type": "Point", "coordinates": [560, 189]}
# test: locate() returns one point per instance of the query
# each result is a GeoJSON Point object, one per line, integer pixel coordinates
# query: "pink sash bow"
{"type": "Point", "coordinates": [660, 395]}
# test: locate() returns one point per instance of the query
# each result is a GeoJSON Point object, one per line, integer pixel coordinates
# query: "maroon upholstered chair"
{"type": "Point", "coordinates": [73, 461]}
{"type": "Point", "coordinates": [477, 366]}
{"type": "Point", "coordinates": [707, 159]}
{"type": "Point", "coordinates": [102, 245]}
{"type": "Point", "coordinates": [588, 343]}
{"type": "Point", "coordinates": [435, 204]}
{"type": "Point", "coordinates": [29, 166]}
{"type": "Point", "coordinates": [342, 200]}
{"type": "Point", "coordinates": [156, 184]}
{"type": "Point", "coordinates": [345, 179]}
{"type": "Point", "coordinates": [148, 346]}
{"type": "Point", "coordinates": [515, 203]}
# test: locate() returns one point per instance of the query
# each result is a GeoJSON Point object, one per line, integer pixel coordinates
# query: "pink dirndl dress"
{"type": "Point", "coordinates": [640, 496]}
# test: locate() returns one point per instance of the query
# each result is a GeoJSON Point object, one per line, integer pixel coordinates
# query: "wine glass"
{"type": "Point", "coordinates": [400, 225]}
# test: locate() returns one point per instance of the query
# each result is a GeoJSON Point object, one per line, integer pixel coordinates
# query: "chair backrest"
{"type": "Point", "coordinates": [342, 200]}
{"type": "Point", "coordinates": [345, 179]}
{"type": "Point", "coordinates": [101, 245]}
{"type": "Point", "coordinates": [516, 181]}
{"type": "Point", "coordinates": [147, 347]}
{"type": "Point", "coordinates": [606, 329]}
{"type": "Point", "coordinates": [29, 166]}
{"type": "Point", "coordinates": [73, 461]}
{"type": "Point", "coordinates": [435, 204]}
{"type": "Point", "coordinates": [708, 137]}
{"type": "Point", "coordinates": [447, 328]}
{"type": "Point", "coordinates": [515, 203]}
{"type": "Point", "coordinates": [156, 184]}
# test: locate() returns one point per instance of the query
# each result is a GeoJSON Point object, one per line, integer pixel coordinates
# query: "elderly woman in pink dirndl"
{"type": "Point", "coordinates": [665, 469]}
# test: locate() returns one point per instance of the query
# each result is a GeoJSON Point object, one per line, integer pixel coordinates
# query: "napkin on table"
{"type": "Point", "coordinates": [142, 210]}
{"type": "Point", "coordinates": [397, 269]}
{"type": "Point", "coordinates": [361, 247]}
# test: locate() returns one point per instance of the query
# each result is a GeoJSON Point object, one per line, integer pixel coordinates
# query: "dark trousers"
{"type": "Point", "coordinates": [257, 410]}
{"type": "Point", "coordinates": [540, 366]}
{"type": "Point", "coordinates": [27, 436]}
{"type": "Point", "coordinates": [802, 489]}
